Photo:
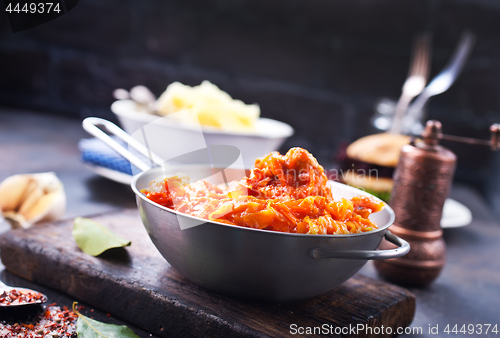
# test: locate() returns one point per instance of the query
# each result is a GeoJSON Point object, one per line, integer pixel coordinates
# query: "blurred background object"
{"type": "Point", "coordinates": [317, 65]}
{"type": "Point", "coordinates": [410, 118]}
{"type": "Point", "coordinates": [415, 82]}
{"type": "Point", "coordinates": [439, 84]}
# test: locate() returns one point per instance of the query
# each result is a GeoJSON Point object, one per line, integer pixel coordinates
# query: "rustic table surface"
{"type": "Point", "coordinates": [467, 292]}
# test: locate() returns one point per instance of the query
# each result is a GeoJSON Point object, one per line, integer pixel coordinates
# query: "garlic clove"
{"type": "Point", "coordinates": [11, 192]}
{"type": "Point", "coordinates": [47, 181]}
{"type": "Point", "coordinates": [16, 220]}
{"type": "Point", "coordinates": [58, 208]}
{"type": "Point", "coordinates": [44, 209]}
{"type": "Point", "coordinates": [31, 198]}
{"type": "Point", "coordinates": [32, 185]}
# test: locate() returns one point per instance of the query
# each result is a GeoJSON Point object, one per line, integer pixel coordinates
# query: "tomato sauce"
{"type": "Point", "coordinates": [287, 193]}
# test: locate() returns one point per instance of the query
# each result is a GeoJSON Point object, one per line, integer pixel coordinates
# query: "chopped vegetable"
{"type": "Point", "coordinates": [287, 193]}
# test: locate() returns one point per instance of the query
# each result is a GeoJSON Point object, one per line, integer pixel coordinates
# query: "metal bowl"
{"type": "Point", "coordinates": [252, 263]}
{"type": "Point", "coordinates": [260, 264]}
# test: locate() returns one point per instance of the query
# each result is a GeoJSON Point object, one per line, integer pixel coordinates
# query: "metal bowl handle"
{"type": "Point", "coordinates": [402, 249]}
{"type": "Point", "coordinates": [93, 126]}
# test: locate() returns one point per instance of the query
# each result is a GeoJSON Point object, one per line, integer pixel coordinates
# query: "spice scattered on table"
{"type": "Point", "coordinates": [53, 322]}
{"type": "Point", "coordinates": [19, 297]}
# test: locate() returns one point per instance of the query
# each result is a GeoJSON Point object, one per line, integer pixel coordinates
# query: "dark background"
{"type": "Point", "coordinates": [319, 65]}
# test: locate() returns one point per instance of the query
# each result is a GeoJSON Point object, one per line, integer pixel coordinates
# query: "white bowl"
{"type": "Point", "coordinates": [269, 134]}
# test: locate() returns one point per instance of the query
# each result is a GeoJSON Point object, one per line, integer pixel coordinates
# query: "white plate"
{"type": "Point", "coordinates": [455, 214]}
{"type": "Point", "coordinates": [269, 134]}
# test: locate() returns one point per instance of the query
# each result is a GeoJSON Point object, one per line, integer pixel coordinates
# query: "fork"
{"type": "Point", "coordinates": [443, 81]}
{"type": "Point", "coordinates": [415, 82]}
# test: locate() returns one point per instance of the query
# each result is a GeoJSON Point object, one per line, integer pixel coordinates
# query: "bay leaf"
{"type": "Point", "coordinates": [94, 239]}
{"type": "Point", "coordinates": [90, 328]}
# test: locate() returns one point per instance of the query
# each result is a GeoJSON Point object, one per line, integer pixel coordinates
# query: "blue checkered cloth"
{"type": "Point", "coordinates": [96, 152]}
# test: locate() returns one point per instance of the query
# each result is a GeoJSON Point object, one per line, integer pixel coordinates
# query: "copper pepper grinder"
{"type": "Point", "coordinates": [422, 181]}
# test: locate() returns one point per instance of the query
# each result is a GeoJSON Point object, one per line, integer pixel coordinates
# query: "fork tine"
{"type": "Point", "coordinates": [446, 76]}
{"type": "Point", "coordinates": [426, 56]}
{"type": "Point", "coordinates": [415, 82]}
{"type": "Point", "coordinates": [462, 51]}
{"type": "Point", "coordinates": [422, 63]}
{"type": "Point", "coordinates": [421, 57]}
{"type": "Point", "coordinates": [416, 55]}
{"type": "Point", "coordinates": [420, 66]}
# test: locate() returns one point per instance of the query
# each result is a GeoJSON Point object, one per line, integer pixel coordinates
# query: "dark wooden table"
{"type": "Point", "coordinates": [467, 292]}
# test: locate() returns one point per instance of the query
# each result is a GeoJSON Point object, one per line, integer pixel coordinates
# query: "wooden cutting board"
{"type": "Point", "coordinates": [138, 285]}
